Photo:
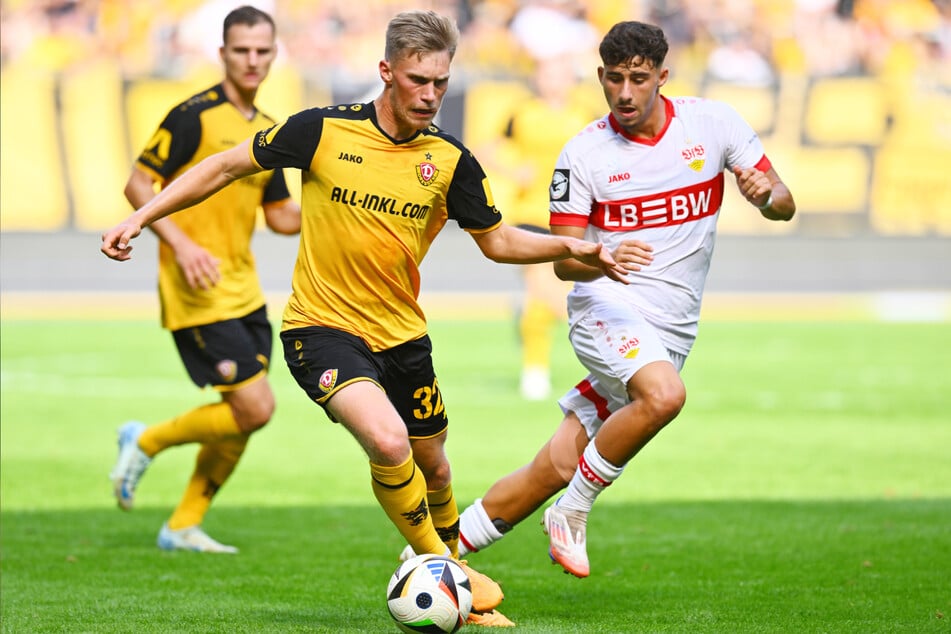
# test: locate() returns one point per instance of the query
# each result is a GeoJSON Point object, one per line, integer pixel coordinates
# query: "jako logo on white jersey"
{"type": "Point", "coordinates": [674, 207]}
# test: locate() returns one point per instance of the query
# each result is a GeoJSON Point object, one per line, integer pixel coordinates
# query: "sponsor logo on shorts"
{"type": "Point", "coordinates": [629, 348]}
{"type": "Point", "coordinates": [328, 380]}
{"type": "Point", "coordinates": [227, 370]}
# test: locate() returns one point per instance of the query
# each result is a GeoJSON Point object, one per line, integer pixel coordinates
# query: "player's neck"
{"type": "Point", "coordinates": [387, 120]}
{"type": "Point", "coordinates": [242, 100]}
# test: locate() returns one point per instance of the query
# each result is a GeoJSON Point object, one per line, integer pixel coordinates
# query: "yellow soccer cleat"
{"type": "Point", "coordinates": [486, 593]}
{"type": "Point", "coordinates": [492, 618]}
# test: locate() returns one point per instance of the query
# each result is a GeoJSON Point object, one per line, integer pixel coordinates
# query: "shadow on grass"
{"type": "Point", "coordinates": [737, 566]}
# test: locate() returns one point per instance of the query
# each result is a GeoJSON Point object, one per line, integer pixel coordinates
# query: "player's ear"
{"type": "Point", "coordinates": [662, 77]}
{"type": "Point", "coordinates": [386, 73]}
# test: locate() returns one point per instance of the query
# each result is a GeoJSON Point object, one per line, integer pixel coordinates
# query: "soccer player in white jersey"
{"type": "Point", "coordinates": [646, 180]}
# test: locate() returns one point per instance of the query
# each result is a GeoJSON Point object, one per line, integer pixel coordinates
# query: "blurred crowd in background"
{"type": "Point", "coordinates": [854, 95]}
{"type": "Point", "coordinates": [746, 41]}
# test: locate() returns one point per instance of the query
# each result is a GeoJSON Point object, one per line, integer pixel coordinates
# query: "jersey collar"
{"type": "Point", "coordinates": [668, 111]}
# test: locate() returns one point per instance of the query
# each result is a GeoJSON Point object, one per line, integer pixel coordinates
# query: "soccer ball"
{"type": "Point", "coordinates": [429, 593]}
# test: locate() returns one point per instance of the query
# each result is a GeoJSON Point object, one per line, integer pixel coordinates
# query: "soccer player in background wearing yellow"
{"type": "Point", "coordinates": [534, 136]}
{"type": "Point", "coordinates": [379, 183]}
{"type": "Point", "coordinates": [210, 294]}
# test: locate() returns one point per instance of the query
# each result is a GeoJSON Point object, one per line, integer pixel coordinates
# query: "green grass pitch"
{"type": "Point", "coordinates": [806, 487]}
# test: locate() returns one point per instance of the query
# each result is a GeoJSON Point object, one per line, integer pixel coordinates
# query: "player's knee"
{"type": "Point", "coordinates": [664, 402]}
{"type": "Point", "coordinates": [562, 461]}
{"type": "Point", "coordinates": [253, 414]}
{"type": "Point", "coordinates": [437, 476]}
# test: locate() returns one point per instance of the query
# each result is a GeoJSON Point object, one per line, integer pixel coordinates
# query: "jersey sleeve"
{"type": "Point", "coordinates": [742, 145]}
{"type": "Point", "coordinates": [469, 199]}
{"type": "Point", "coordinates": [289, 144]}
{"type": "Point", "coordinates": [173, 144]}
{"type": "Point", "coordinates": [276, 188]}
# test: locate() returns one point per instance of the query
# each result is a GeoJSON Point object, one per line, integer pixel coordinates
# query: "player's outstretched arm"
{"type": "Point", "coordinates": [511, 245]}
{"type": "Point", "coordinates": [192, 187]}
{"type": "Point", "coordinates": [631, 256]}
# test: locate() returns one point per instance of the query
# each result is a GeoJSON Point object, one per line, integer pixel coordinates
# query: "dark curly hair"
{"type": "Point", "coordinates": [628, 41]}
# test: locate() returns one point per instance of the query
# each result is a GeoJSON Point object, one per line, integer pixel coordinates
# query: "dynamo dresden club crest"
{"type": "Point", "coordinates": [426, 173]}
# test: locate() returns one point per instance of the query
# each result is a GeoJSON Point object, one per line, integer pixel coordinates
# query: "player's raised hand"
{"type": "Point", "coordinates": [116, 241]}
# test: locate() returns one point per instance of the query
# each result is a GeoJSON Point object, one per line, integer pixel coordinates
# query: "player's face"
{"type": "Point", "coordinates": [417, 84]}
{"type": "Point", "coordinates": [632, 92]}
{"type": "Point", "coordinates": [247, 55]}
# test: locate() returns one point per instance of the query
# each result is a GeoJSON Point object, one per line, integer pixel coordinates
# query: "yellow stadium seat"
{"type": "Point", "coordinates": [846, 111]}
{"type": "Point", "coordinates": [487, 108]}
{"type": "Point", "coordinates": [828, 180]}
{"type": "Point", "coordinates": [33, 194]}
{"type": "Point", "coordinates": [95, 145]}
{"type": "Point", "coordinates": [911, 190]}
{"type": "Point", "coordinates": [757, 104]}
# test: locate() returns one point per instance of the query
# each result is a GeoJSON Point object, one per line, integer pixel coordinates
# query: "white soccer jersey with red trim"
{"type": "Point", "coordinates": [665, 191]}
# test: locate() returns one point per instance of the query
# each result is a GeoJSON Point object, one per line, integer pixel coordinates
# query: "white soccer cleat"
{"type": "Point", "coordinates": [130, 465]}
{"type": "Point", "coordinates": [567, 544]}
{"type": "Point", "coordinates": [408, 553]}
{"type": "Point", "coordinates": [535, 384]}
{"type": "Point", "coordinates": [191, 538]}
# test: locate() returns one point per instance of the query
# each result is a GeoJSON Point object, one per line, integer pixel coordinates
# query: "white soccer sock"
{"type": "Point", "coordinates": [476, 530]}
{"type": "Point", "coordinates": [592, 476]}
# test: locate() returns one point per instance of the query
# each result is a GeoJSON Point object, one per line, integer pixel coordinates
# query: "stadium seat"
{"type": "Point", "coordinates": [828, 180]}
{"type": "Point", "coordinates": [846, 111]}
{"type": "Point", "coordinates": [33, 196]}
{"type": "Point", "coordinates": [911, 190]}
{"type": "Point", "coordinates": [95, 145]}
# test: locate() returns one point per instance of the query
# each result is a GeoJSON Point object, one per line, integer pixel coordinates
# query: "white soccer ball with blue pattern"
{"type": "Point", "coordinates": [429, 593]}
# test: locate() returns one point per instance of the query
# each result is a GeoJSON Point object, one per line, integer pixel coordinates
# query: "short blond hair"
{"type": "Point", "coordinates": [417, 32]}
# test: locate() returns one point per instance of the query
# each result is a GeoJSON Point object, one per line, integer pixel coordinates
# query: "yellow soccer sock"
{"type": "Point", "coordinates": [535, 326]}
{"type": "Point", "coordinates": [401, 491]}
{"type": "Point", "coordinates": [445, 514]}
{"type": "Point", "coordinates": [215, 463]}
{"type": "Point", "coordinates": [205, 424]}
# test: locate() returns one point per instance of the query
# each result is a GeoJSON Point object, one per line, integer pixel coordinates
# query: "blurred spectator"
{"type": "Point", "coordinates": [735, 60]}
{"type": "Point", "coordinates": [63, 35]}
{"type": "Point", "coordinates": [550, 28]}
{"type": "Point", "coordinates": [831, 40]}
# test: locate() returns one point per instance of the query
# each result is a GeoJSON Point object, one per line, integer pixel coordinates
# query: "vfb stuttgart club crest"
{"type": "Point", "coordinates": [426, 173]}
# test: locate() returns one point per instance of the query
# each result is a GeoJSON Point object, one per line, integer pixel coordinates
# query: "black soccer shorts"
{"type": "Point", "coordinates": [227, 353]}
{"type": "Point", "coordinates": [323, 360]}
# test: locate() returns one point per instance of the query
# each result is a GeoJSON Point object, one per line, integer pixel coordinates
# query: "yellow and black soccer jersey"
{"type": "Point", "coordinates": [371, 207]}
{"type": "Point", "coordinates": [223, 224]}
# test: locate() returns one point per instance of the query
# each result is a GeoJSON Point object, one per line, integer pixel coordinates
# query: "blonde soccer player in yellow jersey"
{"type": "Point", "coordinates": [379, 183]}
{"type": "Point", "coordinates": [209, 290]}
